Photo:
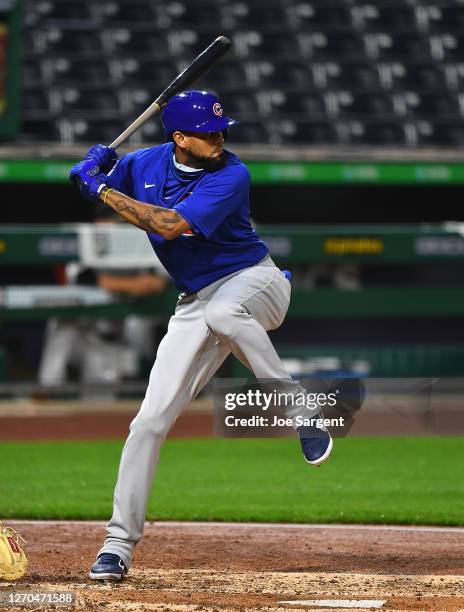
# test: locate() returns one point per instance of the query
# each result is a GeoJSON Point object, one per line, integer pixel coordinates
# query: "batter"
{"type": "Point", "coordinates": [191, 196]}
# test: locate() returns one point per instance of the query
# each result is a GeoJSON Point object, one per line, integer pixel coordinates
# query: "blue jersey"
{"type": "Point", "coordinates": [215, 204]}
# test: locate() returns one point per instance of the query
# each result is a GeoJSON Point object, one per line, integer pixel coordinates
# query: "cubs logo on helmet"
{"type": "Point", "coordinates": [217, 109]}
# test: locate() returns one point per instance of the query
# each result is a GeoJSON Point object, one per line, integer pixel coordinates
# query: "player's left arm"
{"type": "Point", "coordinates": [166, 222]}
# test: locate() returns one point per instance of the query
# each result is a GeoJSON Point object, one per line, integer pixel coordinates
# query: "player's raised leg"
{"type": "Point", "coordinates": [241, 312]}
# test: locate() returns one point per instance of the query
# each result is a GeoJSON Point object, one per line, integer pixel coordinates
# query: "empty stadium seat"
{"type": "Point", "coordinates": [391, 16]}
{"type": "Point", "coordinates": [252, 43]}
{"type": "Point", "coordinates": [294, 132]}
{"type": "Point", "coordinates": [379, 133]}
{"type": "Point", "coordinates": [142, 41]}
{"type": "Point", "coordinates": [238, 15]}
{"type": "Point", "coordinates": [62, 41]}
{"type": "Point", "coordinates": [412, 103]}
{"type": "Point", "coordinates": [308, 15]}
{"type": "Point", "coordinates": [122, 13]}
{"type": "Point", "coordinates": [249, 132]}
{"type": "Point", "coordinates": [412, 76]}
{"type": "Point", "coordinates": [299, 71]}
{"type": "Point", "coordinates": [354, 104]}
{"type": "Point", "coordinates": [333, 74]}
{"type": "Point", "coordinates": [402, 46]}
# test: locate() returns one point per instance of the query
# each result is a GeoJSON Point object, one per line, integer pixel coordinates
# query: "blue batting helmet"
{"type": "Point", "coordinates": [195, 111]}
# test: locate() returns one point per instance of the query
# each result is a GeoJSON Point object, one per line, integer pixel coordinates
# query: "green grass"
{"type": "Point", "coordinates": [368, 480]}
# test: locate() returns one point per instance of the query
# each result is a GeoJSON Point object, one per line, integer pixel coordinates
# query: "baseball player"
{"type": "Point", "coordinates": [191, 196]}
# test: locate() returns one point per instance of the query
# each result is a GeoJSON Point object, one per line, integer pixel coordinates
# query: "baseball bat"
{"type": "Point", "coordinates": [194, 70]}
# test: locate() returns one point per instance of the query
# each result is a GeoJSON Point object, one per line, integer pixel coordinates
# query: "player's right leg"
{"type": "Point", "coordinates": [187, 357]}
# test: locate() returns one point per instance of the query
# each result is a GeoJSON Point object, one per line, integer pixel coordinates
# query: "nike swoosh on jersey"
{"type": "Point", "coordinates": [147, 185]}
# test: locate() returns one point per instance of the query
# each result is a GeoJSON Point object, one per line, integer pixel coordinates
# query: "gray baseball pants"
{"type": "Point", "coordinates": [230, 315]}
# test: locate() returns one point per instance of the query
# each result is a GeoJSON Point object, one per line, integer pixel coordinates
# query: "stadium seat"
{"type": "Point", "coordinates": [454, 75]}
{"type": "Point", "coordinates": [446, 47]}
{"type": "Point", "coordinates": [401, 46]}
{"type": "Point", "coordinates": [412, 103]}
{"type": "Point", "coordinates": [286, 73]}
{"type": "Point", "coordinates": [35, 102]}
{"type": "Point", "coordinates": [225, 73]}
{"type": "Point", "coordinates": [292, 132]}
{"type": "Point", "coordinates": [243, 15]}
{"type": "Point", "coordinates": [419, 77]}
{"type": "Point", "coordinates": [308, 15]}
{"type": "Point", "coordinates": [125, 41]}
{"type": "Point", "coordinates": [378, 133]}
{"type": "Point", "coordinates": [249, 132]}
{"type": "Point", "coordinates": [130, 70]}
{"type": "Point", "coordinates": [57, 12]}
{"type": "Point", "coordinates": [252, 43]}
{"type": "Point", "coordinates": [125, 14]}
{"type": "Point", "coordinates": [441, 17]}
{"type": "Point", "coordinates": [41, 129]}
{"type": "Point", "coordinates": [354, 104]}
{"type": "Point", "coordinates": [62, 41]}
{"type": "Point", "coordinates": [184, 14]}
{"type": "Point", "coordinates": [439, 133]}
{"type": "Point", "coordinates": [324, 45]}
{"type": "Point", "coordinates": [77, 130]}
{"type": "Point", "coordinates": [84, 101]}
{"type": "Point", "coordinates": [317, 71]}
{"type": "Point", "coordinates": [59, 70]}
{"type": "Point", "coordinates": [344, 75]}
{"type": "Point", "coordinates": [391, 16]}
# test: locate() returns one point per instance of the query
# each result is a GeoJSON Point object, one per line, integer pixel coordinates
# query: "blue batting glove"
{"type": "Point", "coordinates": [105, 157]}
{"type": "Point", "coordinates": [87, 174]}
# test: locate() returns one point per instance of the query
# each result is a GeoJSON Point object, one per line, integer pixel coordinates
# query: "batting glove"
{"type": "Point", "coordinates": [105, 157]}
{"type": "Point", "coordinates": [87, 175]}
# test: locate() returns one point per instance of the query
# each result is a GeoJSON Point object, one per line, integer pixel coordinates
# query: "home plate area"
{"type": "Point", "coordinates": [219, 566]}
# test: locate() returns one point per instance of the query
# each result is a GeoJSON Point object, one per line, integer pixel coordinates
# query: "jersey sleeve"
{"type": "Point", "coordinates": [214, 200]}
{"type": "Point", "coordinates": [119, 177]}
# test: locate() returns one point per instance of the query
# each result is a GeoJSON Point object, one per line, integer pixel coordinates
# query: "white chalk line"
{"type": "Point", "coordinates": [338, 603]}
{"type": "Point", "coordinates": [255, 526]}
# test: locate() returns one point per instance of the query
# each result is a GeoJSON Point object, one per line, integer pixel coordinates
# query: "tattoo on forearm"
{"type": "Point", "coordinates": [144, 216]}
